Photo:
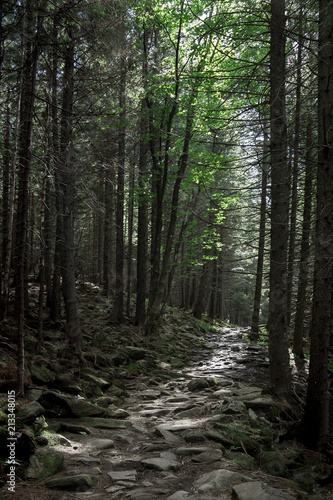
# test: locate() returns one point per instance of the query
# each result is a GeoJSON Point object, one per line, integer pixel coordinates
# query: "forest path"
{"type": "Point", "coordinates": [172, 438]}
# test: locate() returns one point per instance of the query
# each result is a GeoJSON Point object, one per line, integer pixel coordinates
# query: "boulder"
{"type": "Point", "coordinates": [29, 412]}
{"type": "Point", "coordinates": [43, 463]}
{"type": "Point", "coordinates": [61, 405]}
{"type": "Point", "coordinates": [212, 482]}
{"type": "Point", "coordinates": [258, 491]}
{"type": "Point", "coordinates": [273, 463]}
{"type": "Point", "coordinates": [79, 482]}
{"type": "Point", "coordinates": [104, 423]}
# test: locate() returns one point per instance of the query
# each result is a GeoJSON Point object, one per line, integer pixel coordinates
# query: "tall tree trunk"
{"type": "Point", "coordinates": [280, 376]}
{"type": "Point", "coordinates": [142, 250]}
{"type": "Point", "coordinates": [261, 248]}
{"type": "Point", "coordinates": [67, 180]}
{"type": "Point", "coordinates": [55, 302]}
{"type": "Point", "coordinates": [305, 248]}
{"type": "Point", "coordinates": [109, 230]}
{"type": "Point", "coordinates": [8, 207]}
{"type": "Point", "coordinates": [117, 314]}
{"type": "Point", "coordinates": [24, 159]}
{"type": "Point", "coordinates": [130, 242]}
{"type": "Point", "coordinates": [316, 417]}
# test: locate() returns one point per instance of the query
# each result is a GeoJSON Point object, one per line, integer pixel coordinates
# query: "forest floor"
{"type": "Point", "coordinates": [184, 414]}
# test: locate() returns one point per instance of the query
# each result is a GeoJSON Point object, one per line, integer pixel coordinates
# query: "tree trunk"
{"type": "Point", "coordinates": [117, 314]}
{"type": "Point", "coordinates": [141, 270]}
{"type": "Point", "coordinates": [67, 180]}
{"type": "Point", "coordinates": [55, 302]}
{"type": "Point", "coordinates": [280, 376]}
{"type": "Point", "coordinates": [316, 417]}
{"type": "Point", "coordinates": [130, 242]}
{"type": "Point", "coordinates": [8, 207]}
{"type": "Point", "coordinates": [24, 158]}
{"type": "Point", "coordinates": [254, 335]}
{"type": "Point", "coordinates": [305, 248]}
{"type": "Point", "coordinates": [109, 229]}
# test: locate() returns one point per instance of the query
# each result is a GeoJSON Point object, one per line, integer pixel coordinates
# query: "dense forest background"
{"type": "Point", "coordinates": [173, 152]}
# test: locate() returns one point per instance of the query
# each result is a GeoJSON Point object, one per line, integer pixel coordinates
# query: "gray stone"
{"type": "Point", "coordinates": [198, 384]}
{"type": "Point", "coordinates": [208, 457]}
{"type": "Point", "coordinates": [194, 437]}
{"type": "Point", "coordinates": [264, 402]}
{"type": "Point", "coordinates": [180, 426]}
{"type": "Point", "coordinates": [233, 407]}
{"type": "Point", "coordinates": [30, 411]}
{"type": "Point", "coordinates": [259, 491]}
{"type": "Point", "coordinates": [190, 413]}
{"type": "Point", "coordinates": [188, 451]}
{"type": "Point", "coordinates": [273, 463]}
{"type": "Point", "coordinates": [40, 374]}
{"type": "Point", "coordinates": [45, 462]}
{"type": "Point", "coordinates": [97, 443]}
{"type": "Point", "coordinates": [220, 394]}
{"type": "Point", "coordinates": [100, 382]}
{"type": "Point", "coordinates": [90, 470]}
{"type": "Point", "coordinates": [161, 464]}
{"type": "Point", "coordinates": [75, 429]}
{"type": "Point", "coordinates": [61, 405]}
{"type": "Point", "coordinates": [104, 423]}
{"type": "Point", "coordinates": [149, 394]}
{"type": "Point", "coordinates": [179, 495]}
{"type": "Point", "coordinates": [213, 481]}
{"type": "Point", "coordinates": [123, 475]}
{"type": "Point", "coordinates": [80, 482]}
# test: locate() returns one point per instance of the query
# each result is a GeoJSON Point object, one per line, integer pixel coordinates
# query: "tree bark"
{"type": "Point", "coordinates": [316, 417]}
{"type": "Point", "coordinates": [24, 159]}
{"type": "Point", "coordinates": [280, 376]}
{"type": "Point", "coordinates": [261, 248]}
{"type": "Point", "coordinates": [305, 249]}
{"type": "Point", "coordinates": [117, 314]}
{"type": "Point", "coordinates": [67, 181]}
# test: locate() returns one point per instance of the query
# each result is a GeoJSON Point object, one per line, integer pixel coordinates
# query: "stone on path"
{"type": "Point", "coordinates": [123, 475]}
{"type": "Point", "coordinates": [104, 423]}
{"type": "Point", "coordinates": [161, 464]}
{"type": "Point", "coordinates": [213, 481]}
{"type": "Point", "coordinates": [208, 457]}
{"type": "Point", "coordinates": [187, 451]}
{"type": "Point", "coordinates": [259, 491]}
{"type": "Point", "coordinates": [80, 482]}
{"type": "Point", "coordinates": [179, 495]}
{"type": "Point", "coordinates": [62, 405]}
{"type": "Point", "coordinates": [45, 462]}
{"type": "Point", "coordinates": [97, 443]}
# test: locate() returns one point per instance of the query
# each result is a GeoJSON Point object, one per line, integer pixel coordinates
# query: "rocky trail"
{"type": "Point", "coordinates": [207, 431]}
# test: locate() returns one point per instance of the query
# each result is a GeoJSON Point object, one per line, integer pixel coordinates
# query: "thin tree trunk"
{"type": "Point", "coordinates": [24, 158]}
{"type": "Point", "coordinates": [305, 249]}
{"type": "Point", "coordinates": [109, 229]}
{"type": "Point", "coordinates": [261, 249]}
{"type": "Point", "coordinates": [130, 242]}
{"type": "Point", "coordinates": [142, 250]}
{"type": "Point", "coordinates": [117, 314]}
{"type": "Point", "coordinates": [67, 179]}
{"type": "Point", "coordinates": [55, 303]}
{"type": "Point", "coordinates": [280, 376]}
{"type": "Point", "coordinates": [8, 209]}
